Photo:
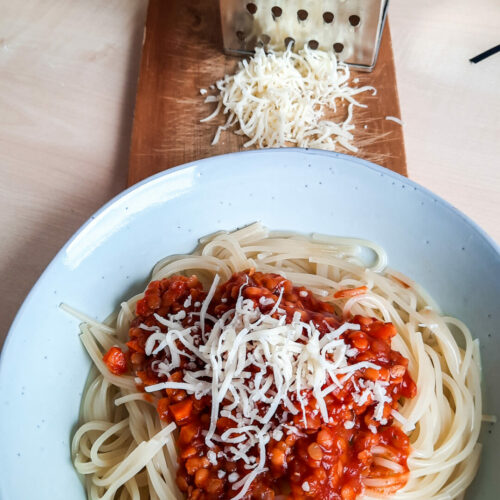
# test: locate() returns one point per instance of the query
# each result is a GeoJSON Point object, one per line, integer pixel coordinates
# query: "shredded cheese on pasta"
{"type": "Point", "coordinates": [243, 339]}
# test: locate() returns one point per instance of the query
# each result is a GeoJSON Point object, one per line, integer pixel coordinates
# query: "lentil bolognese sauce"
{"type": "Point", "coordinates": [323, 453]}
{"type": "Point", "coordinates": [273, 365]}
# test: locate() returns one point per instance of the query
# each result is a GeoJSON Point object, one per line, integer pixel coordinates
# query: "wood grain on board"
{"type": "Point", "coordinates": [183, 53]}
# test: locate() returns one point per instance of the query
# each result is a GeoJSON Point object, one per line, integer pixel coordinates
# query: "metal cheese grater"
{"type": "Point", "coordinates": [350, 28]}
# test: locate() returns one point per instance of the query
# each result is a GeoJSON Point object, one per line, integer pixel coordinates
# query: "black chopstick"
{"type": "Point", "coordinates": [485, 54]}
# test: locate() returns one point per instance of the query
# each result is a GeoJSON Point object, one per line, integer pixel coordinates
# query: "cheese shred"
{"type": "Point", "coordinates": [280, 99]}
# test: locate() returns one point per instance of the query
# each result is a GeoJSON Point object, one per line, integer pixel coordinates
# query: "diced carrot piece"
{"type": "Point", "coordinates": [351, 292]}
{"type": "Point", "coordinates": [182, 411]}
{"type": "Point", "coordinates": [115, 361]}
{"type": "Point", "coordinates": [187, 434]}
{"type": "Point", "coordinates": [371, 374]}
{"type": "Point", "coordinates": [162, 408]}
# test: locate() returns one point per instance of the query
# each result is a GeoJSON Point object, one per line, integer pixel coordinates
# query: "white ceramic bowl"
{"type": "Point", "coordinates": [44, 367]}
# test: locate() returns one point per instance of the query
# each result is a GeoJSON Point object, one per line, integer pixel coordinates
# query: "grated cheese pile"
{"type": "Point", "coordinates": [286, 98]}
{"type": "Point", "coordinates": [294, 363]}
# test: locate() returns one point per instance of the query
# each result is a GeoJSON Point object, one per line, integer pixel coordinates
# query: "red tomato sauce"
{"type": "Point", "coordinates": [327, 461]}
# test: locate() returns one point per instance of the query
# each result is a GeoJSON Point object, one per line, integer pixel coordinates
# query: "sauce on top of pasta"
{"type": "Point", "coordinates": [359, 445]}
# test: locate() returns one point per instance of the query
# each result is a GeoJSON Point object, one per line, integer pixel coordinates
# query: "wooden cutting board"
{"type": "Point", "coordinates": [183, 53]}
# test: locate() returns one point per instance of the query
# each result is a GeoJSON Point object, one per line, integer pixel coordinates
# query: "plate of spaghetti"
{"type": "Point", "coordinates": [282, 324]}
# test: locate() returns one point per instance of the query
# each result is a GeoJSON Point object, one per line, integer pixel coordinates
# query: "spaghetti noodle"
{"type": "Point", "coordinates": [149, 374]}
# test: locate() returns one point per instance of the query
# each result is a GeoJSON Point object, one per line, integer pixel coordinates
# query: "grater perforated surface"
{"type": "Point", "coordinates": [351, 28]}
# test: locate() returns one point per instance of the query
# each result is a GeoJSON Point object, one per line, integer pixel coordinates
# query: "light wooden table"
{"type": "Point", "coordinates": [68, 71]}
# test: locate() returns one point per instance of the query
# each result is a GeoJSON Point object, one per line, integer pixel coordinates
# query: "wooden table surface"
{"type": "Point", "coordinates": [68, 77]}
